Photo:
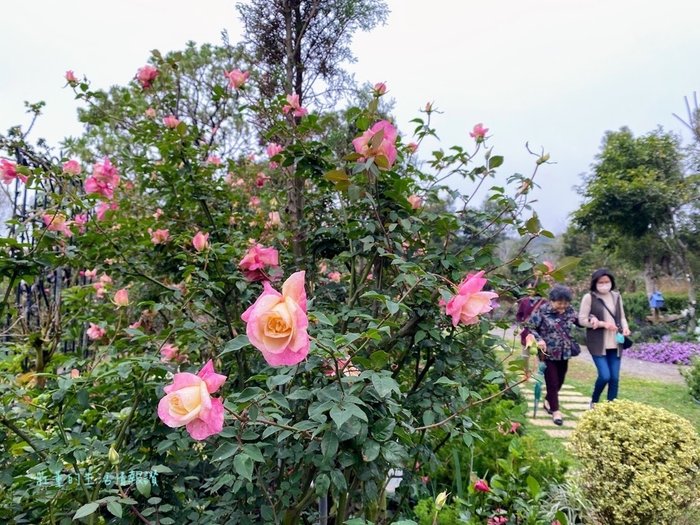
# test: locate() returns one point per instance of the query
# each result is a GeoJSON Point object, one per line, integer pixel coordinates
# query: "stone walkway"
{"type": "Point", "coordinates": [571, 403]}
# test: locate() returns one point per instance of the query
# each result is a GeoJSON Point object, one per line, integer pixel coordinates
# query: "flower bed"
{"type": "Point", "coordinates": [676, 353]}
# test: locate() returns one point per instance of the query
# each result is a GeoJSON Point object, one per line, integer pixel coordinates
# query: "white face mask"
{"type": "Point", "coordinates": [603, 287]}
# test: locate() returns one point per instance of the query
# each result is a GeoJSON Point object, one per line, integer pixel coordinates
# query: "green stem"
{"type": "Point", "coordinates": [24, 437]}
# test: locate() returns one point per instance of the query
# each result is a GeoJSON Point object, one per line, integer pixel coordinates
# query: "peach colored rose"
{"type": "Point", "coordinates": [415, 201]}
{"type": "Point", "coordinates": [200, 241]}
{"type": "Point", "coordinates": [57, 223]}
{"type": "Point", "coordinates": [188, 402]}
{"type": "Point", "coordinates": [470, 301]}
{"type": "Point", "coordinates": [121, 297]}
{"type": "Point", "coordinates": [256, 260]}
{"type": "Point", "coordinates": [276, 323]}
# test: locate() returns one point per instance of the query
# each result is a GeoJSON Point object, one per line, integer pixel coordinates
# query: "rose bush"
{"type": "Point", "coordinates": [353, 370]}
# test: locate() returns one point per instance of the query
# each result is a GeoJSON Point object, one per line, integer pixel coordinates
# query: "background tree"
{"type": "Point", "coordinates": [638, 192]}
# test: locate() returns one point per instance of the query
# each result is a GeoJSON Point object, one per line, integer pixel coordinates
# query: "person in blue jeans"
{"type": "Point", "coordinates": [603, 315]}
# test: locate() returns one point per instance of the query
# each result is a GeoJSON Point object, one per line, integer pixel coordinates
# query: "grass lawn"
{"type": "Point", "coordinates": [673, 397]}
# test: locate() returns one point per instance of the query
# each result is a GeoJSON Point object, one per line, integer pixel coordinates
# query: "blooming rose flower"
{"type": "Point", "coordinates": [261, 179]}
{"type": "Point", "coordinates": [497, 520]}
{"type": "Point", "coordinates": [276, 323]}
{"type": "Point", "coordinates": [200, 241]}
{"type": "Point", "coordinates": [150, 113]}
{"type": "Point", "coordinates": [236, 78]}
{"type": "Point", "coordinates": [254, 201]}
{"type": "Point", "coordinates": [104, 179]}
{"type": "Point", "coordinates": [272, 150]}
{"type": "Point", "coordinates": [8, 172]}
{"type": "Point", "coordinates": [273, 219]}
{"type": "Point", "coordinates": [90, 274]}
{"type": "Point", "coordinates": [482, 486]}
{"type": "Point", "coordinates": [121, 297]}
{"type": "Point", "coordinates": [171, 352]}
{"type": "Point", "coordinates": [57, 223]}
{"type": "Point", "coordinates": [366, 144]}
{"type": "Point", "coordinates": [334, 276]}
{"type": "Point", "coordinates": [159, 236]}
{"type": "Point", "coordinates": [95, 331]}
{"type": "Point", "coordinates": [171, 121]}
{"type": "Point", "coordinates": [214, 160]}
{"type": "Point", "coordinates": [158, 214]}
{"type": "Point", "coordinates": [256, 259]}
{"type": "Point", "coordinates": [72, 167]}
{"type": "Point", "coordinates": [74, 373]}
{"type": "Point", "coordinates": [188, 403]}
{"type": "Point", "coordinates": [294, 106]}
{"type": "Point", "coordinates": [70, 77]}
{"type": "Point", "coordinates": [415, 201]}
{"type": "Point", "coordinates": [104, 207]}
{"type": "Point", "coordinates": [146, 75]}
{"type": "Point", "coordinates": [470, 301]}
{"type": "Point", "coordinates": [479, 132]}
{"type": "Point", "coordinates": [379, 89]}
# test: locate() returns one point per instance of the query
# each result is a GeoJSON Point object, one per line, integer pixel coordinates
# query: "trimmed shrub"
{"type": "Point", "coordinates": [639, 464]}
{"type": "Point", "coordinates": [692, 378]}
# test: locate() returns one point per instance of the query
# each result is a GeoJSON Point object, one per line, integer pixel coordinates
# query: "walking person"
{"type": "Point", "coordinates": [603, 315]}
{"type": "Point", "coordinates": [551, 327]}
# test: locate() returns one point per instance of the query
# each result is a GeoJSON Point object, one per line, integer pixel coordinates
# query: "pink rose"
{"type": "Point", "coordinates": [104, 179]}
{"type": "Point", "coordinates": [103, 208]}
{"type": "Point", "coordinates": [95, 332]}
{"type": "Point", "coordinates": [479, 132]}
{"type": "Point", "coordinates": [254, 201]}
{"type": "Point", "coordinates": [70, 77]}
{"type": "Point", "coordinates": [379, 89]}
{"type": "Point", "coordinates": [236, 78]}
{"type": "Point", "coordinates": [121, 297]}
{"type": "Point", "coordinates": [369, 146]}
{"type": "Point", "coordinates": [214, 160]}
{"type": "Point", "coordinates": [74, 373]}
{"type": "Point", "coordinates": [334, 276]}
{"type": "Point", "coordinates": [273, 150]}
{"type": "Point", "coordinates": [172, 353]}
{"type": "Point", "coordinates": [482, 486]}
{"type": "Point", "coordinates": [497, 520]}
{"type": "Point", "coordinates": [470, 301]}
{"type": "Point", "coordinates": [276, 323]}
{"type": "Point", "coordinates": [159, 236]}
{"type": "Point", "coordinates": [146, 75]}
{"type": "Point", "coordinates": [150, 113]}
{"type": "Point", "coordinates": [415, 201]}
{"type": "Point", "coordinates": [8, 172]}
{"type": "Point", "coordinates": [256, 259]}
{"type": "Point", "coordinates": [273, 219]}
{"type": "Point", "coordinates": [294, 106]}
{"type": "Point", "coordinates": [72, 167]}
{"type": "Point", "coordinates": [200, 241]}
{"type": "Point", "coordinates": [158, 214]}
{"type": "Point", "coordinates": [57, 223]}
{"type": "Point", "coordinates": [188, 402]}
{"type": "Point", "coordinates": [261, 179]}
{"type": "Point", "coordinates": [171, 121]}
{"type": "Point", "coordinates": [90, 274]}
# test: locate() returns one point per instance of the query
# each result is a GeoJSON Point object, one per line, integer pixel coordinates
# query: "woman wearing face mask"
{"type": "Point", "coordinates": [603, 315]}
{"type": "Point", "coordinates": [551, 327]}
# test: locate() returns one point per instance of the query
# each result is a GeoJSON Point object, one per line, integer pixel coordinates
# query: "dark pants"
{"type": "Point", "coordinates": [608, 366]}
{"type": "Point", "coordinates": [554, 376]}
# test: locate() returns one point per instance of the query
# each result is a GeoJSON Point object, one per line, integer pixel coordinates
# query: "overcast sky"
{"type": "Point", "coordinates": [554, 73]}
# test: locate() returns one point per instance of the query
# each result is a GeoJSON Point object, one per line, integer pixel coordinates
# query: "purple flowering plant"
{"type": "Point", "coordinates": [672, 352]}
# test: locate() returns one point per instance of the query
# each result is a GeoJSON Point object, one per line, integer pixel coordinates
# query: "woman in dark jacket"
{"type": "Point", "coordinates": [551, 326]}
{"type": "Point", "coordinates": [603, 315]}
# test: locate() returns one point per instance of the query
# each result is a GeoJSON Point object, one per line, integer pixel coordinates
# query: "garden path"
{"type": "Point", "coordinates": [572, 403]}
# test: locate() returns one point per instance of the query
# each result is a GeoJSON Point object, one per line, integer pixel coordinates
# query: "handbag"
{"type": "Point", "coordinates": [621, 339]}
{"type": "Point", "coordinates": [575, 347]}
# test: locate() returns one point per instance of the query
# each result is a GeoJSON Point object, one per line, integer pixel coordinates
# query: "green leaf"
{"type": "Point", "coordinates": [144, 487]}
{"type": "Point", "coordinates": [243, 466]}
{"type": "Point", "coordinates": [322, 484]}
{"type": "Point", "coordinates": [370, 450]}
{"type": "Point", "coordinates": [383, 429]}
{"type": "Point", "coordinates": [86, 510]}
{"type": "Point", "coordinates": [162, 469]}
{"type": "Point", "coordinates": [340, 415]}
{"type": "Point", "coordinates": [392, 306]}
{"type": "Point", "coordinates": [115, 508]}
{"type": "Point", "coordinates": [254, 452]}
{"type": "Point", "coordinates": [495, 161]}
{"type": "Point", "coordinates": [235, 344]}
{"type": "Point", "coordinates": [533, 486]}
{"type": "Point", "coordinates": [339, 480]}
{"type": "Point", "coordinates": [322, 318]}
{"type": "Point", "coordinates": [384, 385]}
{"type": "Point", "coordinates": [329, 445]}
{"type": "Point", "coordinates": [225, 451]}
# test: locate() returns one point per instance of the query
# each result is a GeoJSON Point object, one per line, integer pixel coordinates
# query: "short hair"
{"type": "Point", "coordinates": [559, 292]}
{"type": "Point", "coordinates": [600, 273]}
